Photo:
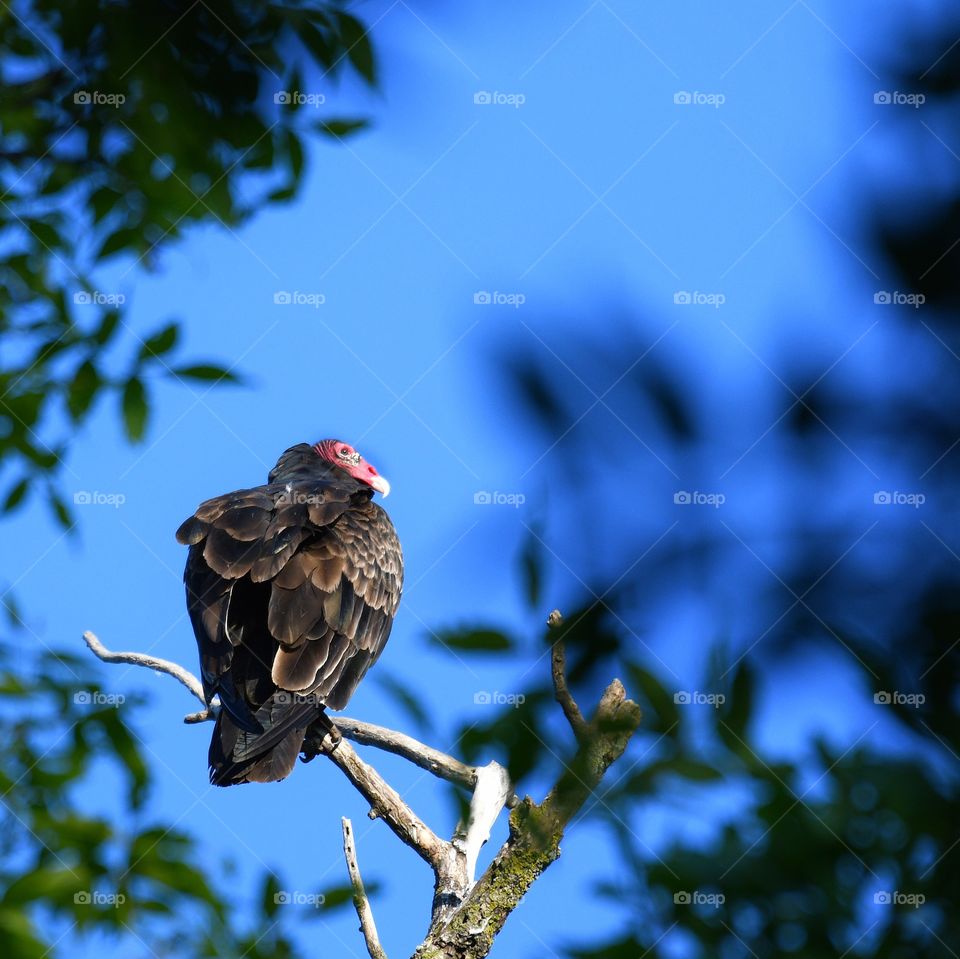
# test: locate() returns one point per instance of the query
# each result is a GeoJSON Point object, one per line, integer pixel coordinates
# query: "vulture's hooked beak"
{"type": "Point", "coordinates": [380, 485]}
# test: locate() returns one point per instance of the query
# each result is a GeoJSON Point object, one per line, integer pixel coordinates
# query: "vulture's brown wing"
{"type": "Point", "coordinates": [333, 603]}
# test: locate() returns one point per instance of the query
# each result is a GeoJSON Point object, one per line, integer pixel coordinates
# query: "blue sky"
{"type": "Point", "coordinates": [597, 193]}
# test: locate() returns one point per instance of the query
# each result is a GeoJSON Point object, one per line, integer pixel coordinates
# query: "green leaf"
{"type": "Point", "coordinates": [45, 233]}
{"type": "Point", "coordinates": [531, 567]}
{"type": "Point", "coordinates": [340, 128]}
{"type": "Point", "coordinates": [205, 372]}
{"type": "Point", "coordinates": [405, 698]}
{"type": "Point", "coordinates": [733, 720]}
{"type": "Point", "coordinates": [359, 49]}
{"type": "Point", "coordinates": [107, 328]}
{"type": "Point", "coordinates": [82, 389]}
{"type": "Point", "coordinates": [161, 342]}
{"type": "Point", "coordinates": [16, 495]}
{"type": "Point", "coordinates": [282, 195]}
{"type": "Point", "coordinates": [294, 155]}
{"type": "Point", "coordinates": [477, 640]}
{"type": "Point", "coordinates": [691, 769]}
{"type": "Point", "coordinates": [60, 509]}
{"type": "Point", "coordinates": [134, 406]}
{"type": "Point", "coordinates": [102, 201]}
{"type": "Point", "coordinates": [268, 896]}
{"type": "Point", "coordinates": [666, 717]}
{"type": "Point", "coordinates": [126, 240]}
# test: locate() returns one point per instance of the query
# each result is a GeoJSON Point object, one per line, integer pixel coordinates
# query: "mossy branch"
{"type": "Point", "coordinates": [466, 915]}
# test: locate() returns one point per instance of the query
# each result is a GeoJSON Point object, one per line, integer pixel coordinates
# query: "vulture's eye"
{"type": "Point", "coordinates": [345, 451]}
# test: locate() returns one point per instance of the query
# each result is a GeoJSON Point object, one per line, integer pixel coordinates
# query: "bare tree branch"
{"type": "Point", "coordinates": [367, 734]}
{"type": "Point", "coordinates": [385, 802]}
{"type": "Point", "coordinates": [364, 913]}
{"type": "Point", "coordinates": [536, 832]}
{"type": "Point", "coordinates": [558, 661]}
{"type": "Point", "coordinates": [466, 915]}
{"type": "Point", "coordinates": [175, 670]}
{"type": "Point", "coordinates": [490, 796]}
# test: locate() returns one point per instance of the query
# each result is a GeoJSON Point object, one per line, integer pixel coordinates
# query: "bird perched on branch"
{"type": "Point", "coordinates": [291, 589]}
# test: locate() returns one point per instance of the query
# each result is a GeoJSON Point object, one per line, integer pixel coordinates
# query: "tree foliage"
{"type": "Point", "coordinates": [122, 126]}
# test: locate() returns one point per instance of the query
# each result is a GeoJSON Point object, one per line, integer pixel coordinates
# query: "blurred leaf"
{"type": "Point", "coordinates": [135, 409]}
{"type": "Point", "coordinates": [161, 342]}
{"type": "Point", "coordinates": [408, 699]}
{"type": "Point", "coordinates": [340, 128]}
{"type": "Point", "coordinates": [205, 373]}
{"type": "Point", "coordinates": [83, 389]}
{"type": "Point", "coordinates": [16, 495]}
{"type": "Point", "coordinates": [358, 46]}
{"type": "Point", "coordinates": [531, 567]}
{"type": "Point", "coordinates": [60, 509]}
{"type": "Point", "coordinates": [666, 716]}
{"type": "Point", "coordinates": [472, 638]}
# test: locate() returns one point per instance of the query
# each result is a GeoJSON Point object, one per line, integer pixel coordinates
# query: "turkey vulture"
{"type": "Point", "coordinates": [291, 589]}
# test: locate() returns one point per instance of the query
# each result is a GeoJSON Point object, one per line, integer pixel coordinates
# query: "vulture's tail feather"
{"type": "Point", "coordinates": [241, 756]}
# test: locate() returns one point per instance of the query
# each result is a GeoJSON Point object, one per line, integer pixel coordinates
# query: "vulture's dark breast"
{"type": "Point", "coordinates": [291, 589]}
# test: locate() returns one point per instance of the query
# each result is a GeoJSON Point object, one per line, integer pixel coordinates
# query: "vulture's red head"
{"type": "Point", "coordinates": [348, 459]}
